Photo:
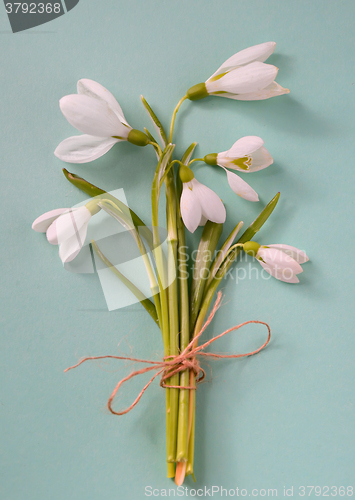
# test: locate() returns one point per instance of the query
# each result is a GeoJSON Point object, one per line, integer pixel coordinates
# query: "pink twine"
{"type": "Point", "coordinates": [186, 360]}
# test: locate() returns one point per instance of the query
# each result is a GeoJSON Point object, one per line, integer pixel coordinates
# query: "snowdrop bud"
{"type": "Point", "coordinates": [137, 138]}
{"type": "Point", "coordinates": [186, 174]}
{"type": "Point", "coordinates": [197, 92]}
{"type": "Point", "coordinates": [251, 248]}
{"type": "Point", "coordinates": [211, 159]}
{"type": "Point", "coordinates": [93, 207]}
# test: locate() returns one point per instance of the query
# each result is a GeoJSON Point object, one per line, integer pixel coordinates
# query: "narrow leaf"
{"type": "Point", "coordinates": [246, 236]}
{"type": "Point", "coordinates": [188, 153]}
{"type": "Point", "coordinates": [93, 191]}
{"type": "Point", "coordinates": [156, 123]}
{"type": "Point", "coordinates": [260, 220]}
{"type": "Point", "coordinates": [152, 139]}
{"type": "Point", "coordinates": [223, 252]}
{"type": "Point", "coordinates": [209, 239]}
{"type": "Point", "coordinates": [146, 303]}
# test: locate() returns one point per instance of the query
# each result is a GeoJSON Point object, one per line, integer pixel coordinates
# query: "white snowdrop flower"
{"type": "Point", "coordinates": [199, 203]}
{"type": "Point", "coordinates": [244, 77]}
{"type": "Point", "coordinates": [95, 112]}
{"type": "Point", "coordinates": [283, 262]}
{"type": "Point", "coordinates": [246, 155]}
{"type": "Point", "coordinates": [67, 227]}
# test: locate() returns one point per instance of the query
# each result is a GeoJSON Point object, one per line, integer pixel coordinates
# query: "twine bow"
{"type": "Point", "coordinates": [186, 360]}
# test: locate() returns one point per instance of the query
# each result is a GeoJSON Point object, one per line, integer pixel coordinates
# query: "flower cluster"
{"type": "Point", "coordinates": [95, 112]}
{"type": "Point", "coordinates": [178, 301]}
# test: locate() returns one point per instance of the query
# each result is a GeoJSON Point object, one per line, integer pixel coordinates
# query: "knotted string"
{"type": "Point", "coordinates": [186, 360]}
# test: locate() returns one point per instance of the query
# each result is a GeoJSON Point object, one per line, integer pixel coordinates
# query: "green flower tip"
{"type": "Point", "coordinates": [137, 138]}
{"type": "Point", "coordinates": [251, 248]}
{"type": "Point", "coordinates": [186, 174]}
{"type": "Point", "coordinates": [197, 92]}
{"type": "Point", "coordinates": [211, 159]}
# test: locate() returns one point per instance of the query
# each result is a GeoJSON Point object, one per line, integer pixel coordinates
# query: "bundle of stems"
{"type": "Point", "coordinates": [179, 305]}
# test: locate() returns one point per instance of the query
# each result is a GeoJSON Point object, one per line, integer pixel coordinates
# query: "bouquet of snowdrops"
{"type": "Point", "coordinates": [177, 304]}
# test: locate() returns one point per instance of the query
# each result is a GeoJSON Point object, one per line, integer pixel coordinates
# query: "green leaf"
{"type": "Point", "coordinates": [152, 139]}
{"type": "Point", "coordinates": [260, 220]}
{"type": "Point", "coordinates": [157, 181]}
{"type": "Point", "coordinates": [246, 236]}
{"type": "Point", "coordinates": [209, 239]}
{"type": "Point", "coordinates": [156, 123]}
{"type": "Point", "coordinates": [188, 153]}
{"type": "Point", "coordinates": [223, 252]}
{"type": "Point", "coordinates": [93, 191]}
{"type": "Point", "coordinates": [146, 303]}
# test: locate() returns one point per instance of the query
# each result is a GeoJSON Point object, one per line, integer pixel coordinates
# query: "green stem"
{"type": "Point", "coordinates": [192, 420]}
{"type": "Point", "coordinates": [191, 426]}
{"type": "Point", "coordinates": [168, 170]}
{"type": "Point", "coordinates": [173, 118]}
{"type": "Point", "coordinates": [196, 159]}
{"type": "Point", "coordinates": [93, 191]}
{"type": "Point", "coordinates": [171, 209]}
{"type": "Point", "coordinates": [156, 147]}
{"type": "Point", "coordinates": [159, 259]}
{"type": "Point", "coordinates": [185, 446]}
{"type": "Point", "coordinates": [158, 252]}
{"type": "Point", "coordinates": [222, 253]}
{"type": "Point", "coordinates": [146, 303]}
{"type": "Point", "coordinates": [209, 239]}
{"type": "Point", "coordinates": [112, 209]}
{"type": "Point", "coordinates": [183, 418]}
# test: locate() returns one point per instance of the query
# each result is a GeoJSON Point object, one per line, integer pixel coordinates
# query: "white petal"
{"type": "Point", "coordinates": [67, 225]}
{"type": "Point", "coordinates": [295, 253]}
{"type": "Point", "coordinates": [272, 90]}
{"type": "Point", "coordinates": [42, 223]}
{"type": "Point", "coordinates": [98, 91]}
{"type": "Point", "coordinates": [203, 221]}
{"type": "Point", "coordinates": [240, 187]}
{"type": "Point", "coordinates": [70, 248]}
{"type": "Point", "coordinates": [246, 79]}
{"type": "Point", "coordinates": [277, 259]}
{"type": "Point", "coordinates": [261, 158]}
{"type": "Point", "coordinates": [211, 205]}
{"type": "Point", "coordinates": [190, 207]}
{"type": "Point", "coordinates": [256, 53]}
{"type": "Point", "coordinates": [245, 146]}
{"type": "Point", "coordinates": [280, 274]}
{"type": "Point", "coordinates": [84, 148]}
{"type": "Point", "coordinates": [92, 116]}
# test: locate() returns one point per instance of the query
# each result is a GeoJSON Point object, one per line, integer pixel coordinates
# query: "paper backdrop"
{"type": "Point", "coordinates": [281, 419]}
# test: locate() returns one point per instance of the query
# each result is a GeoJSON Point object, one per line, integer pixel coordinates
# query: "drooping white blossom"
{"type": "Point", "coordinates": [198, 204]}
{"type": "Point", "coordinates": [244, 76]}
{"type": "Point", "coordinates": [66, 227]}
{"type": "Point", "coordinates": [246, 155]}
{"type": "Point", "coordinates": [95, 112]}
{"type": "Point", "coordinates": [283, 262]}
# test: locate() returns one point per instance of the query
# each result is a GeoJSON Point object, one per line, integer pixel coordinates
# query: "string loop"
{"type": "Point", "coordinates": [186, 360]}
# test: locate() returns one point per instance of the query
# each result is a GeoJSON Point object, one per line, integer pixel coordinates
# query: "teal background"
{"type": "Point", "coordinates": [284, 417]}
